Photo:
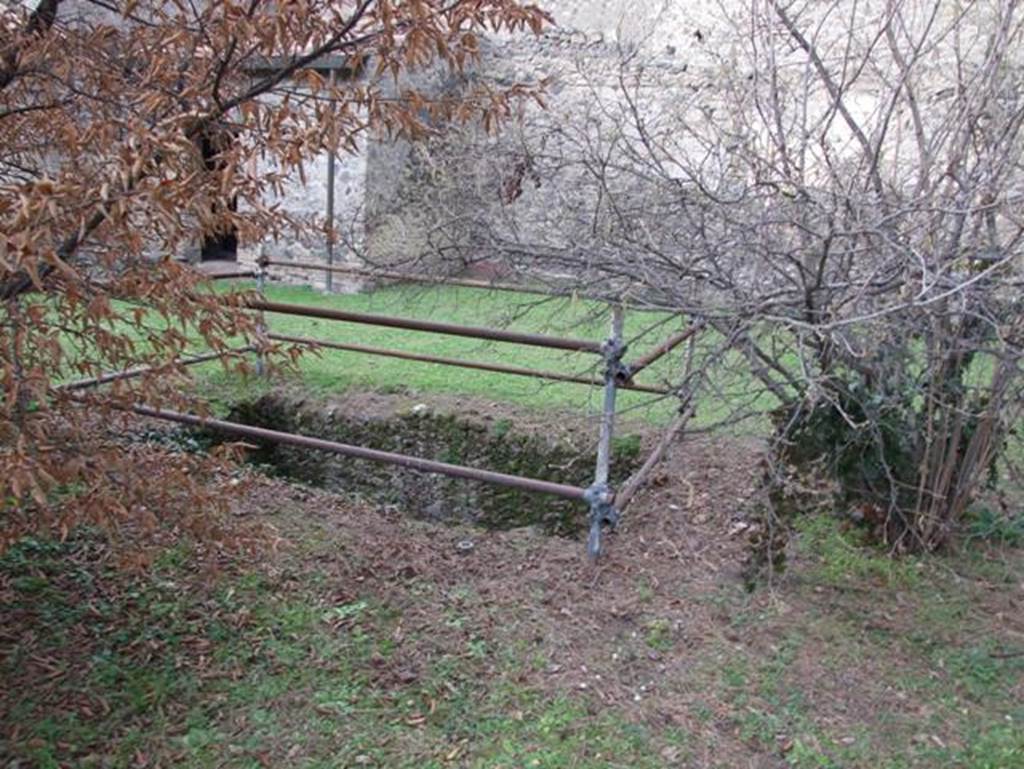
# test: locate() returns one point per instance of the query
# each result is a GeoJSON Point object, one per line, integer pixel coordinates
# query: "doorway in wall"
{"type": "Point", "coordinates": [218, 246]}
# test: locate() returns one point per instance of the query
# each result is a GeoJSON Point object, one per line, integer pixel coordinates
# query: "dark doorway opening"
{"type": "Point", "coordinates": [221, 245]}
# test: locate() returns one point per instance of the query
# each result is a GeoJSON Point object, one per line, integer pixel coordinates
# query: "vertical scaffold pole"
{"type": "Point", "coordinates": [331, 160]}
{"type": "Point", "coordinates": [599, 495]}
{"type": "Point", "coordinates": [261, 322]}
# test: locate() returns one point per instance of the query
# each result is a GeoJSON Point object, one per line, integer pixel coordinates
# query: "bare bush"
{"type": "Point", "coordinates": [840, 191]}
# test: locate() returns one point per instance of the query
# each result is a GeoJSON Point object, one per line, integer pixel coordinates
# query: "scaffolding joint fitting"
{"type": "Point", "coordinates": [602, 512]}
{"type": "Point", "coordinates": [615, 370]}
{"type": "Point", "coordinates": [622, 372]}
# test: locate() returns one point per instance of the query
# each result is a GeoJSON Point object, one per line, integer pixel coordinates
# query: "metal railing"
{"type": "Point", "coordinates": [600, 497]}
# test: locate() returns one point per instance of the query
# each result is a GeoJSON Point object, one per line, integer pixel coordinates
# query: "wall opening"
{"type": "Point", "coordinates": [221, 245]}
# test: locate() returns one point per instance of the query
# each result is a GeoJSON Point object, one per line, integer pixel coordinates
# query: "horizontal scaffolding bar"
{"type": "Point", "coordinates": [402, 460]}
{"type": "Point", "coordinates": [632, 369]}
{"type": "Point", "coordinates": [137, 371]}
{"type": "Point", "coordinates": [416, 277]}
{"type": "Point", "coordinates": [226, 275]}
{"type": "Point", "coordinates": [476, 332]}
{"type": "Point", "coordinates": [478, 365]}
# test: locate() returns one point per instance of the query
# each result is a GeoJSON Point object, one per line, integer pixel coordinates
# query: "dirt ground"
{"type": "Point", "coordinates": [646, 632]}
{"type": "Point", "coordinates": [846, 660]}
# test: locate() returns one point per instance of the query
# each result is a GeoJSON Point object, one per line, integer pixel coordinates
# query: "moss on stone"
{"type": "Point", "coordinates": [444, 437]}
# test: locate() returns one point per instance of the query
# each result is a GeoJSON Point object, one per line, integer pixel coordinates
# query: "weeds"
{"type": "Point", "coordinates": [843, 557]}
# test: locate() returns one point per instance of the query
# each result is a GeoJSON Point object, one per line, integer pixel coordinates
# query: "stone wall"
{"type": "Point", "coordinates": [465, 194]}
{"type": "Point", "coordinates": [400, 203]}
{"type": "Point", "coordinates": [307, 200]}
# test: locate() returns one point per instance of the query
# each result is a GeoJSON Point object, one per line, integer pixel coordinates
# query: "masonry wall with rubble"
{"type": "Point", "coordinates": [402, 203]}
{"type": "Point", "coordinates": [380, 216]}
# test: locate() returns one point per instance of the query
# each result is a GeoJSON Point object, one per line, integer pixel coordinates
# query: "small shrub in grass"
{"type": "Point", "coordinates": [905, 474]}
{"type": "Point", "coordinates": [999, 527]}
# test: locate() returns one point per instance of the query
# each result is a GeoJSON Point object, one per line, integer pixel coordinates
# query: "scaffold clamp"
{"type": "Point", "coordinates": [602, 512]}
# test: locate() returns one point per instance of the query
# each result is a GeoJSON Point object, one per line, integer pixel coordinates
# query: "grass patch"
{"type": "Point", "coordinates": [249, 668]}
{"type": "Point", "coordinates": [333, 371]}
{"type": "Point", "coordinates": [842, 556]}
{"type": "Point", "coordinates": [319, 659]}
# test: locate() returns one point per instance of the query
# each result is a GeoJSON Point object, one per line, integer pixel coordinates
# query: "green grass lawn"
{"type": "Point", "coordinates": [239, 673]}
{"type": "Point", "coordinates": [328, 371]}
{"type": "Point", "coordinates": [333, 371]}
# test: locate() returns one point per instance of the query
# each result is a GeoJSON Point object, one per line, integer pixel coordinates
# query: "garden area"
{"type": "Point", "coordinates": [669, 415]}
{"type": "Point", "coordinates": [363, 635]}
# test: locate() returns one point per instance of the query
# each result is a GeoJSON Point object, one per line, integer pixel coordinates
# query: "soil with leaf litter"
{"type": "Point", "coordinates": [370, 638]}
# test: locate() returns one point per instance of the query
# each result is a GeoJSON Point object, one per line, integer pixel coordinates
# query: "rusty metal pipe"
{"type": "Point", "coordinates": [137, 371]}
{"type": "Point", "coordinates": [478, 365]}
{"type": "Point", "coordinates": [630, 370]}
{"type": "Point", "coordinates": [475, 332]}
{"type": "Point", "coordinates": [226, 275]}
{"type": "Point", "coordinates": [415, 277]}
{"type": "Point", "coordinates": [402, 460]}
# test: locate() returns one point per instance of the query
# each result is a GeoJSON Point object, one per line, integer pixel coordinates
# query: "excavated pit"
{"type": "Point", "coordinates": [456, 431]}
